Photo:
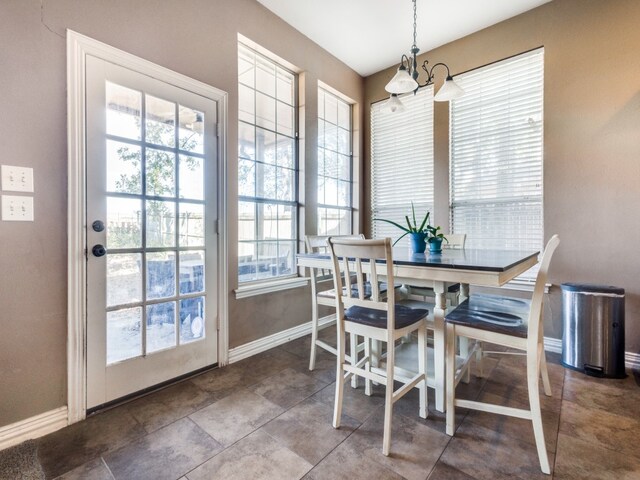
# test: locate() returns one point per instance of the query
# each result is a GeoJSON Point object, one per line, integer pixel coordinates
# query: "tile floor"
{"type": "Point", "coordinates": [269, 417]}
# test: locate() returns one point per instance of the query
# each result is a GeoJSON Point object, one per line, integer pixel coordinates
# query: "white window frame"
{"type": "Point", "coordinates": [324, 92]}
{"type": "Point", "coordinates": [497, 93]}
{"type": "Point", "coordinates": [277, 282]}
{"type": "Point", "coordinates": [402, 163]}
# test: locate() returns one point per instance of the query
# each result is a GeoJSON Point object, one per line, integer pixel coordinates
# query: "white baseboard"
{"type": "Point", "coordinates": [631, 360]}
{"type": "Point", "coordinates": [33, 427]}
{"type": "Point", "coordinates": [262, 344]}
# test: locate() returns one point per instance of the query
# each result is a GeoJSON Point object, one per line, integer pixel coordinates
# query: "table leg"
{"type": "Point", "coordinates": [439, 343]}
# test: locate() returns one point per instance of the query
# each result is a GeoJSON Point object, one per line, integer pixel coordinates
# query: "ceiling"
{"type": "Point", "coordinates": [370, 35]}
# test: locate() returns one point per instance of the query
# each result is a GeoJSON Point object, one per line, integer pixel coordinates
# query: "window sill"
{"type": "Point", "coordinates": [271, 286]}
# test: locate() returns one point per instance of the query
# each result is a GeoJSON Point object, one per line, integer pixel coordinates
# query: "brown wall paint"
{"type": "Point", "coordinates": [591, 138]}
{"type": "Point", "coordinates": [197, 38]}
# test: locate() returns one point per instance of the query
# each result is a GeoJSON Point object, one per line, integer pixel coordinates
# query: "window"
{"type": "Point", "coordinates": [401, 161]}
{"type": "Point", "coordinates": [496, 154]}
{"type": "Point", "coordinates": [334, 165]}
{"type": "Point", "coordinates": [267, 168]}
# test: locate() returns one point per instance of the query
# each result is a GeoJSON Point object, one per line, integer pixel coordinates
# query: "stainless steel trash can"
{"type": "Point", "coordinates": [593, 329]}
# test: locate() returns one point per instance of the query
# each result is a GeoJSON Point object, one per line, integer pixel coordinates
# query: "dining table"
{"type": "Point", "coordinates": [479, 267]}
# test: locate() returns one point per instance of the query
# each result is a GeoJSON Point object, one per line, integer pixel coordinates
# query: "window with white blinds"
{"type": "Point", "coordinates": [401, 162]}
{"type": "Point", "coordinates": [496, 154]}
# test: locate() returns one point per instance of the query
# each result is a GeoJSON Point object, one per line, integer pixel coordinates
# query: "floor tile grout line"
{"type": "Point", "coordinates": [107, 467]}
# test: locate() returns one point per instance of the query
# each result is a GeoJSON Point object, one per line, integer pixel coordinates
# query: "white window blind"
{"type": "Point", "coordinates": [496, 155]}
{"type": "Point", "coordinates": [401, 162]}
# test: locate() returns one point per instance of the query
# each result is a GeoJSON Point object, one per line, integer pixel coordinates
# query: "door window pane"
{"type": "Point", "coordinates": [160, 121]}
{"type": "Point", "coordinates": [191, 319]}
{"type": "Point", "coordinates": [123, 167]}
{"type": "Point", "coordinates": [191, 272]}
{"type": "Point", "coordinates": [161, 173]}
{"type": "Point", "coordinates": [124, 334]}
{"type": "Point", "coordinates": [191, 130]}
{"type": "Point", "coordinates": [161, 326]}
{"type": "Point", "coordinates": [191, 178]}
{"type": "Point", "coordinates": [191, 225]}
{"type": "Point", "coordinates": [123, 111]}
{"type": "Point", "coordinates": [124, 222]}
{"type": "Point", "coordinates": [161, 223]}
{"type": "Point", "coordinates": [161, 275]}
{"type": "Point", "coordinates": [124, 278]}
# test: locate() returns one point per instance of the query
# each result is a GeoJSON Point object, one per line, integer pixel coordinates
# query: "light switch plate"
{"type": "Point", "coordinates": [17, 208]}
{"type": "Point", "coordinates": [17, 179]}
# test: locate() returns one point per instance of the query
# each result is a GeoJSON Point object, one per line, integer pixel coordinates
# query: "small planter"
{"type": "Point", "coordinates": [418, 242]}
{"type": "Point", "coordinates": [435, 245]}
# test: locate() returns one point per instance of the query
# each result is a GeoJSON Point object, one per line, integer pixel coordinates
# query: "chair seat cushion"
{"type": "Point", "coordinates": [493, 313]}
{"type": "Point", "coordinates": [424, 291]}
{"type": "Point", "coordinates": [354, 290]}
{"type": "Point", "coordinates": [371, 317]}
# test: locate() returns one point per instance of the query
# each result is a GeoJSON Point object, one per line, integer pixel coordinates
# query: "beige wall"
{"type": "Point", "coordinates": [197, 38]}
{"type": "Point", "coordinates": [591, 137]}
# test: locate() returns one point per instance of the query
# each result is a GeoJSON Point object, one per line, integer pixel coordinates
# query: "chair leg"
{"type": "Point", "coordinates": [314, 338]}
{"type": "Point", "coordinates": [479, 359]}
{"type": "Point", "coordinates": [464, 353]}
{"type": "Point", "coordinates": [546, 384]}
{"type": "Point", "coordinates": [367, 366]}
{"type": "Point", "coordinates": [422, 369]}
{"type": "Point", "coordinates": [536, 414]}
{"type": "Point", "coordinates": [388, 399]}
{"type": "Point", "coordinates": [353, 342]}
{"type": "Point", "coordinates": [337, 409]}
{"type": "Point", "coordinates": [450, 389]}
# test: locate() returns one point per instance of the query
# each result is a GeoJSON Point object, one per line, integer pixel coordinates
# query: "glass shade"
{"type": "Point", "coordinates": [401, 82]}
{"type": "Point", "coordinates": [449, 91]}
{"type": "Point", "coordinates": [394, 104]}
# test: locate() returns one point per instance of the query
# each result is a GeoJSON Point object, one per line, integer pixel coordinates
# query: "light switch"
{"type": "Point", "coordinates": [17, 208]}
{"type": "Point", "coordinates": [17, 179]}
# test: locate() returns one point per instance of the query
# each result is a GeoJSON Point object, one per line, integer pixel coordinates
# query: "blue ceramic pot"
{"type": "Point", "coordinates": [435, 245]}
{"type": "Point", "coordinates": [418, 242]}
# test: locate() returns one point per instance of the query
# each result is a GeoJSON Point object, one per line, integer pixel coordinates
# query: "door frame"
{"type": "Point", "coordinates": [78, 47]}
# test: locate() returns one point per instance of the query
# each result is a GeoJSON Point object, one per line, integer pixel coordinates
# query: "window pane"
{"type": "Point", "coordinates": [160, 174]}
{"type": "Point", "coordinates": [160, 121]}
{"type": "Point", "coordinates": [161, 224]}
{"type": "Point", "coordinates": [286, 222]}
{"type": "Point", "coordinates": [161, 275]}
{"type": "Point", "coordinates": [265, 181]}
{"type": "Point", "coordinates": [246, 178]}
{"type": "Point", "coordinates": [246, 67]}
{"type": "Point", "coordinates": [161, 326]}
{"type": "Point", "coordinates": [246, 221]}
{"type": "Point", "coordinates": [191, 225]}
{"type": "Point", "coordinates": [285, 153]}
{"type": "Point", "coordinates": [265, 111]}
{"type": "Point", "coordinates": [285, 86]}
{"type": "Point", "coordinates": [123, 168]}
{"type": "Point", "coordinates": [246, 141]}
{"type": "Point", "coordinates": [191, 132]}
{"type": "Point", "coordinates": [285, 119]}
{"type": "Point", "coordinates": [191, 272]}
{"type": "Point", "coordinates": [191, 177]}
{"type": "Point", "coordinates": [124, 222]}
{"type": "Point", "coordinates": [123, 111]}
{"type": "Point", "coordinates": [265, 76]}
{"type": "Point", "coordinates": [266, 146]}
{"type": "Point", "coordinates": [247, 265]}
{"type": "Point", "coordinates": [246, 104]}
{"type": "Point", "coordinates": [286, 258]}
{"type": "Point", "coordinates": [124, 278]}
{"type": "Point", "coordinates": [191, 319]}
{"type": "Point", "coordinates": [124, 334]}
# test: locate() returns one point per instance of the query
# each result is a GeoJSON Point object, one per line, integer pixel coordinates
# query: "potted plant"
{"type": "Point", "coordinates": [434, 239]}
{"type": "Point", "coordinates": [420, 234]}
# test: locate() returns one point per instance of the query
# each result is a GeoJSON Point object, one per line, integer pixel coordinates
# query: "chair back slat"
{"type": "Point", "coordinates": [456, 241]}
{"type": "Point", "coordinates": [318, 244]}
{"type": "Point", "coordinates": [363, 254]}
{"type": "Point", "coordinates": [535, 311]}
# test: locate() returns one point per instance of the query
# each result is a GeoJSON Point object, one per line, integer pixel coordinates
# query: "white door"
{"type": "Point", "coordinates": [151, 231]}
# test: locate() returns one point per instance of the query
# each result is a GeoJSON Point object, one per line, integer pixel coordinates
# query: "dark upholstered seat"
{"type": "Point", "coordinates": [493, 313]}
{"type": "Point", "coordinates": [455, 288]}
{"type": "Point", "coordinates": [405, 316]}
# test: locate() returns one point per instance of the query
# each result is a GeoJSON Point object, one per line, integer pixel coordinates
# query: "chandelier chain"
{"type": "Point", "coordinates": [415, 22]}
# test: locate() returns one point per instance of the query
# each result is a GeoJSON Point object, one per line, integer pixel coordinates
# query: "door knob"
{"type": "Point", "coordinates": [97, 226]}
{"type": "Point", "coordinates": [98, 250]}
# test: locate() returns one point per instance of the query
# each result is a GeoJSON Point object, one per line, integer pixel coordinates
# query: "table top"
{"type": "Point", "coordinates": [462, 259]}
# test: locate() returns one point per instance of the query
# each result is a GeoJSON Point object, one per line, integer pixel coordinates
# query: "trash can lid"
{"type": "Point", "coordinates": [591, 287]}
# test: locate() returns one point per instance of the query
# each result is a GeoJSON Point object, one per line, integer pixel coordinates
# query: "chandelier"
{"type": "Point", "coordinates": [406, 78]}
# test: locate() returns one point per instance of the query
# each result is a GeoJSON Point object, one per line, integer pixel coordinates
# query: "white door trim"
{"type": "Point", "coordinates": [78, 47]}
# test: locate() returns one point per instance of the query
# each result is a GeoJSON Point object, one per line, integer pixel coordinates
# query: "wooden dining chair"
{"type": "Point", "coordinates": [374, 319]}
{"type": "Point", "coordinates": [512, 323]}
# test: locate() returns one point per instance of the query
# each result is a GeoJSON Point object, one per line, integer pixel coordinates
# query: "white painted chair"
{"type": "Point", "coordinates": [512, 323]}
{"type": "Point", "coordinates": [327, 298]}
{"type": "Point", "coordinates": [374, 319]}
